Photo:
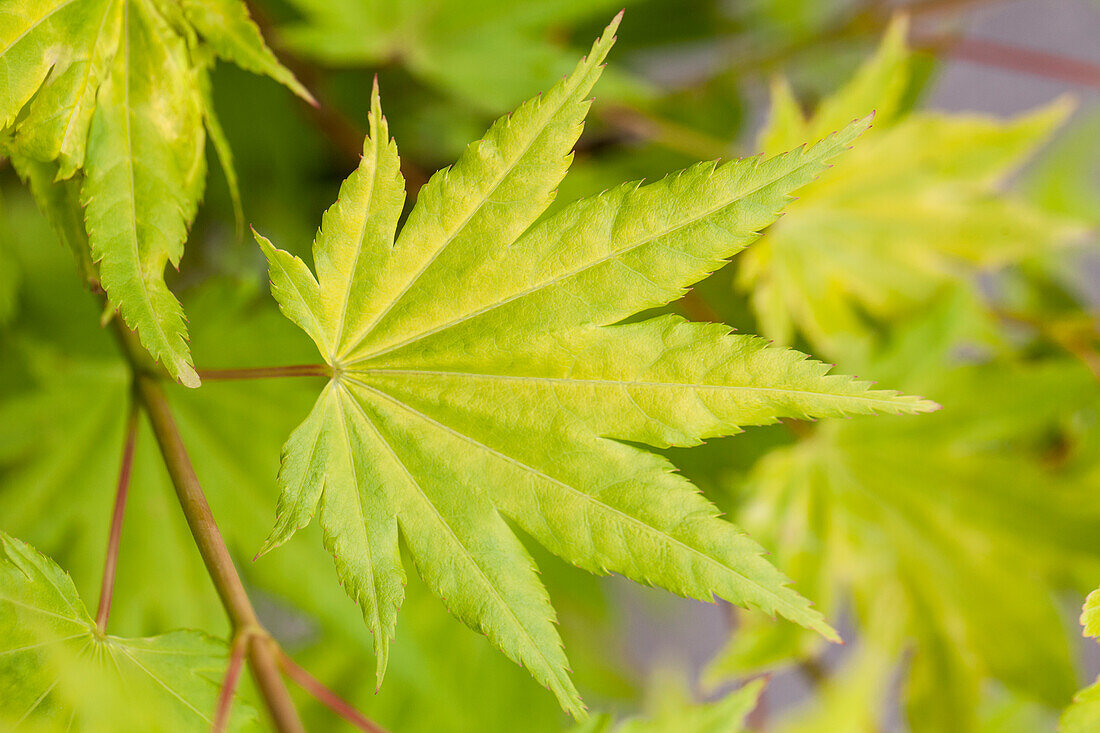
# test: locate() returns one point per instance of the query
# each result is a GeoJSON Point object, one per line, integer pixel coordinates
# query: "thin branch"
{"type": "Point", "coordinates": [148, 393]}
{"type": "Point", "coordinates": [865, 20]}
{"type": "Point", "coordinates": [330, 699]}
{"type": "Point", "coordinates": [297, 370]}
{"type": "Point", "coordinates": [215, 555]}
{"type": "Point", "coordinates": [114, 538]}
{"type": "Point", "coordinates": [343, 133]}
{"type": "Point", "coordinates": [1012, 57]}
{"type": "Point", "coordinates": [229, 684]}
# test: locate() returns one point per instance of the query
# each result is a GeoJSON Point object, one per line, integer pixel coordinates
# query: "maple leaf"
{"type": "Point", "coordinates": [1090, 615]}
{"type": "Point", "coordinates": [117, 91]}
{"type": "Point", "coordinates": [960, 517]}
{"type": "Point", "coordinates": [914, 208]}
{"type": "Point", "coordinates": [476, 377]}
{"type": "Point", "coordinates": [1083, 714]}
{"type": "Point", "coordinates": [57, 670]}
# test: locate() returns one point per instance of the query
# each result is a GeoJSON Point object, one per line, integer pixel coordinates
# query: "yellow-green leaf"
{"type": "Point", "coordinates": [479, 376]}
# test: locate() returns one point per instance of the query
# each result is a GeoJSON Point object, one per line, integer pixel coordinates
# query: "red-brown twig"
{"type": "Point", "coordinates": [208, 539]}
{"type": "Point", "coordinates": [1013, 58]}
{"type": "Point", "coordinates": [330, 699]}
{"type": "Point", "coordinates": [296, 370]}
{"type": "Point", "coordinates": [229, 684]}
{"type": "Point", "coordinates": [114, 538]}
{"type": "Point", "coordinates": [343, 133]}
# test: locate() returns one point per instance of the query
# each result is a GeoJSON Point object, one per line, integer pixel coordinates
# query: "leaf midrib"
{"type": "Point", "coordinates": [553, 668]}
{"type": "Point", "coordinates": [505, 172]}
{"type": "Point", "coordinates": [338, 334]}
{"type": "Point", "coordinates": [623, 383]}
{"type": "Point", "coordinates": [87, 73]}
{"type": "Point", "coordinates": [794, 611]}
{"type": "Point", "coordinates": [376, 600]}
{"type": "Point", "coordinates": [35, 24]}
{"type": "Point", "coordinates": [168, 688]}
{"type": "Point", "coordinates": [615, 254]}
{"type": "Point", "coordinates": [132, 199]}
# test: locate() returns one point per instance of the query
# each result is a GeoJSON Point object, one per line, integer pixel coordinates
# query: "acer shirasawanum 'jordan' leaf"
{"type": "Point", "coordinates": [916, 206]}
{"type": "Point", "coordinates": [114, 90]}
{"type": "Point", "coordinates": [1083, 715]}
{"type": "Point", "coordinates": [475, 377]}
{"type": "Point", "coordinates": [57, 672]}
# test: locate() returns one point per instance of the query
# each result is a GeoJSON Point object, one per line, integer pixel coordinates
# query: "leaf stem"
{"type": "Point", "coordinates": [229, 684]}
{"type": "Point", "coordinates": [330, 699]}
{"type": "Point", "coordinates": [114, 538]}
{"type": "Point", "coordinates": [296, 370]}
{"type": "Point", "coordinates": [215, 555]}
{"type": "Point", "coordinates": [1012, 58]}
{"type": "Point", "coordinates": [262, 650]}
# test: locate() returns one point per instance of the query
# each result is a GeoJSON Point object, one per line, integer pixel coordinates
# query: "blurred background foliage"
{"type": "Point", "coordinates": [952, 254]}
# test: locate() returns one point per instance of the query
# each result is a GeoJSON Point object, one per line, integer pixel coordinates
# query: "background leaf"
{"type": "Point", "coordinates": [58, 671]}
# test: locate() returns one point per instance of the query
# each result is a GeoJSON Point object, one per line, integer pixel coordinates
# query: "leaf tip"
{"type": "Point", "coordinates": [187, 375]}
{"type": "Point", "coordinates": [923, 405]}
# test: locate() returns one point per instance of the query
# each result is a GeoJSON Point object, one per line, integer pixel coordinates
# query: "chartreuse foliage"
{"type": "Point", "coordinates": [674, 712]}
{"type": "Point", "coordinates": [9, 285]}
{"type": "Point", "coordinates": [64, 394]}
{"type": "Point", "coordinates": [457, 47]}
{"type": "Point", "coordinates": [477, 376]}
{"type": "Point", "coordinates": [1084, 714]}
{"type": "Point", "coordinates": [913, 208]}
{"type": "Point", "coordinates": [109, 98]}
{"type": "Point", "coordinates": [1090, 615]}
{"type": "Point", "coordinates": [968, 521]}
{"type": "Point", "coordinates": [58, 673]}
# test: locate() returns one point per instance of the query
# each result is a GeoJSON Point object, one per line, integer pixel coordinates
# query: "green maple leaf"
{"type": "Point", "coordinates": [1090, 615]}
{"type": "Point", "coordinates": [57, 671]}
{"type": "Point", "coordinates": [1083, 714]}
{"type": "Point", "coordinates": [476, 377]}
{"type": "Point", "coordinates": [917, 206]}
{"type": "Point", "coordinates": [110, 98]}
{"type": "Point", "coordinates": [960, 516]}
